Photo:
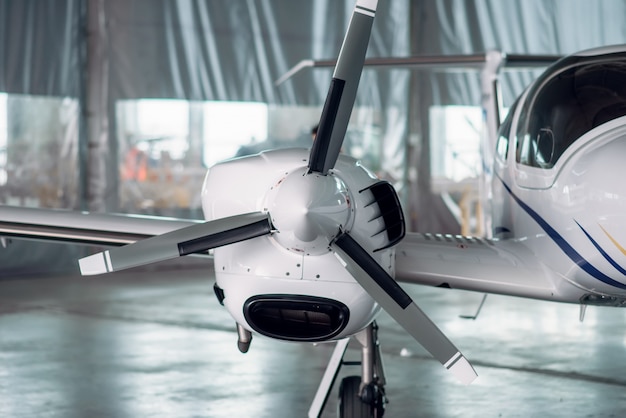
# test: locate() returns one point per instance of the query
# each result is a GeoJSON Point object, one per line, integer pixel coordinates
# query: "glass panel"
{"type": "Point", "coordinates": [233, 129]}
{"type": "Point", "coordinates": [455, 144]}
{"type": "Point", "coordinates": [157, 169]}
{"type": "Point", "coordinates": [3, 138]}
{"type": "Point", "coordinates": [166, 146]}
{"type": "Point", "coordinates": [39, 151]}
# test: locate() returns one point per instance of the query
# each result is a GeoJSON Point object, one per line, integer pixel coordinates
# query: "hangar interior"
{"type": "Point", "coordinates": [138, 99]}
{"type": "Point", "coordinates": [122, 106]}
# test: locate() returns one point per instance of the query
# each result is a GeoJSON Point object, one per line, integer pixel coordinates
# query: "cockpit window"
{"type": "Point", "coordinates": [567, 102]}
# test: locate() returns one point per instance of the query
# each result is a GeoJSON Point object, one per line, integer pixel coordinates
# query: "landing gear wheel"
{"type": "Point", "coordinates": [356, 400]}
{"type": "Point", "coordinates": [350, 403]}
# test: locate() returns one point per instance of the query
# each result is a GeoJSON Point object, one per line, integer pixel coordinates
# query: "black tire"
{"type": "Point", "coordinates": [350, 403]}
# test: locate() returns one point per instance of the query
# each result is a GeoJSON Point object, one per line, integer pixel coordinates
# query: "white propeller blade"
{"type": "Point", "coordinates": [342, 92]}
{"type": "Point", "coordinates": [399, 305]}
{"type": "Point", "coordinates": [185, 241]}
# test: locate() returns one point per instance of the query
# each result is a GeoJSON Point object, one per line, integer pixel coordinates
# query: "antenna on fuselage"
{"type": "Point", "coordinates": [583, 311]}
{"type": "Point", "coordinates": [480, 307]}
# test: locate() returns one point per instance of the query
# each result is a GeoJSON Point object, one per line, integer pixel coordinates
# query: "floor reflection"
{"type": "Point", "coordinates": [148, 345]}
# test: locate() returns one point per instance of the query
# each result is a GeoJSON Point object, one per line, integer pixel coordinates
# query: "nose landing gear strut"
{"type": "Point", "coordinates": [359, 396]}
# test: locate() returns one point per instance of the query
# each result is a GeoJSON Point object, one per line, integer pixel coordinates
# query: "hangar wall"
{"type": "Point", "coordinates": [67, 66]}
{"type": "Point", "coordinates": [103, 53]}
{"type": "Point", "coordinates": [215, 51]}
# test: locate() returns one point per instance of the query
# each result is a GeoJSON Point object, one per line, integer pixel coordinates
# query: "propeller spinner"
{"type": "Point", "coordinates": [308, 211]}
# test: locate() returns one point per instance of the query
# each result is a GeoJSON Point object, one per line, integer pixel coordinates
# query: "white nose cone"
{"type": "Point", "coordinates": [308, 210]}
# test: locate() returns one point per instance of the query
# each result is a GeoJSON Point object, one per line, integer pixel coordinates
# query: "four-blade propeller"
{"type": "Point", "coordinates": [352, 255]}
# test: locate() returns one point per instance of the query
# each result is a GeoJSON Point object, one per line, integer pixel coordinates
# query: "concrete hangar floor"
{"type": "Point", "coordinates": [156, 343]}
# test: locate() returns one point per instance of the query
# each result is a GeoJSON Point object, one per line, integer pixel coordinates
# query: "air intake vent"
{"type": "Point", "coordinates": [296, 317]}
{"type": "Point", "coordinates": [390, 211]}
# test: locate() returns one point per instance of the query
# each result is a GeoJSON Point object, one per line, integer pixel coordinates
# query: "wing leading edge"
{"type": "Point", "coordinates": [83, 227]}
{"type": "Point", "coordinates": [504, 267]}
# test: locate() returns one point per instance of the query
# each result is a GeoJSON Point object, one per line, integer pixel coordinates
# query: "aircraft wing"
{"type": "Point", "coordinates": [504, 267]}
{"type": "Point", "coordinates": [83, 227]}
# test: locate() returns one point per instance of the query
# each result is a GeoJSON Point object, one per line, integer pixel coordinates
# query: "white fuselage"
{"type": "Point", "coordinates": [572, 215]}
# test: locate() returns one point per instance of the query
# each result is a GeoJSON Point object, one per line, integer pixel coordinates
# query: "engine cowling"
{"type": "Point", "coordinates": [289, 285]}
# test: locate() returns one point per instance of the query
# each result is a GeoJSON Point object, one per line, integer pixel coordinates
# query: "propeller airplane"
{"type": "Point", "coordinates": [309, 245]}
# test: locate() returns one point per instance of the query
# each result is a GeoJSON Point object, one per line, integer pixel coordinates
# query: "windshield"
{"type": "Point", "coordinates": [567, 102]}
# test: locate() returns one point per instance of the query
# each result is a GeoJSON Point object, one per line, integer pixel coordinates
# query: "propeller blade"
{"type": "Point", "coordinates": [386, 291]}
{"type": "Point", "coordinates": [342, 92]}
{"type": "Point", "coordinates": [184, 241]}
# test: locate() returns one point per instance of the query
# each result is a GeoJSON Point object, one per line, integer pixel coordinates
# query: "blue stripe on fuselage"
{"type": "Point", "coordinates": [601, 251]}
{"type": "Point", "coordinates": [563, 244]}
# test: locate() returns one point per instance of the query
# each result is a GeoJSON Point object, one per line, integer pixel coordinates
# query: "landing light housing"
{"type": "Point", "coordinates": [296, 317]}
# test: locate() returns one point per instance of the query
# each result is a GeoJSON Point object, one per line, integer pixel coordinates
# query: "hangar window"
{"type": "Point", "coordinates": [36, 133]}
{"type": "Point", "coordinates": [156, 127]}
{"type": "Point", "coordinates": [165, 146]}
{"type": "Point", "coordinates": [3, 139]}
{"type": "Point", "coordinates": [229, 126]}
{"type": "Point", "coordinates": [455, 142]}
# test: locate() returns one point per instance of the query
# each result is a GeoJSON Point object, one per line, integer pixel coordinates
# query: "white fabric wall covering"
{"type": "Point", "coordinates": [39, 47]}
{"type": "Point", "coordinates": [513, 26]}
{"type": "Point", "coordinates": [235, 50]}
